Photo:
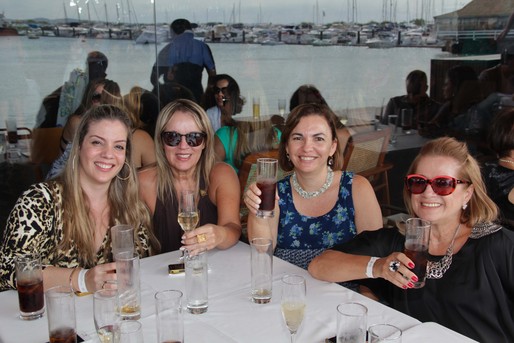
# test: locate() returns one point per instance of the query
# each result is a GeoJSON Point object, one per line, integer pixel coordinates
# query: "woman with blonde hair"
{"type": "Point", "coordinates": [469, 275]}
{"type": "Point", "coordinates": [184, 142]}
{"type": "Point", "coordinates": [68, 220]}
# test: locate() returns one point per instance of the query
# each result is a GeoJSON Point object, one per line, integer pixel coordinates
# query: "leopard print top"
{"type": "Point", "coordinates": [35, 225]}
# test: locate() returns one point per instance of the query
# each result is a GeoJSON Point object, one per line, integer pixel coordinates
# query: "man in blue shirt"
{"type": "Point", "coordinates": [182, 61]}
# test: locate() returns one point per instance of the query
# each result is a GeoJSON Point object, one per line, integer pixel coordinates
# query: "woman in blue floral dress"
{"type": "Point", "coordinates": [319, 205]}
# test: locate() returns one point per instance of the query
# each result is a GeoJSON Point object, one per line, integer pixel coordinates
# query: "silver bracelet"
{"type": "Point", "coordinates": [82, 280]}
{"type": "Point", "coordinates": [369, 267]}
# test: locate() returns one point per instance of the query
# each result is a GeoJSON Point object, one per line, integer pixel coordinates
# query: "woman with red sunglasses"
{"type": "Point", "coordinates": [470, 273]}
{"type": "Point", "coordinates": [184, 143]}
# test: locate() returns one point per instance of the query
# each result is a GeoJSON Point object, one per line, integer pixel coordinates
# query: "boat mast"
{"type": "Point", "coordinates": [65, 13]}
{"type": "Point", "coordinates": [106, 18]}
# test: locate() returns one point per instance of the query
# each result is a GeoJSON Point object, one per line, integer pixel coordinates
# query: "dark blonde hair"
{"type": "Point", "coordinates": [480, 207]}
{"type": "Point", "coordinates": [123, 196]}
{"type": "Point", "coordinates": [299, 112]}
{"type": "Point", "coordinates": [203, 168]}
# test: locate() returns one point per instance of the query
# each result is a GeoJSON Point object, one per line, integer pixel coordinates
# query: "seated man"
{"type": "Point", "coordinates": [500, 78]}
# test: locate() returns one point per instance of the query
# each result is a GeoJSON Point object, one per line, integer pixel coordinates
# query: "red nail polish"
{"type": "Point", "coordinates": [410, 285]}
{"type": "Point", "coordinates": [414, 278]}
{"type": "Point", "coordinates": [404, 287]}
{"type": "Point", "coordinates": [411, 265]}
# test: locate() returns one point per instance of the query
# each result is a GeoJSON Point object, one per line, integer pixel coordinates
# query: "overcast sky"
{"type": "Point", "coordinates": [247, 11]}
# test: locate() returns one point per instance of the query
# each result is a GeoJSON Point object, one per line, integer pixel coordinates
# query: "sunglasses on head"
{"type": "Point", "coordinates": [222, 90]}
{"type": "Point", "coordinates": [96, 97]}
{"type": "Point", "coordinates": [173, 138]}
{"type": "Point", "coordinates": [442, 185]}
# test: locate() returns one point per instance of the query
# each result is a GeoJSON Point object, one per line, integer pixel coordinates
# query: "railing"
{"type": "Point", "coordinates": [472, 34]}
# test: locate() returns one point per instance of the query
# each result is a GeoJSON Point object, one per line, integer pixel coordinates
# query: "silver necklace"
{"type": "Point", "coordinates": [307, 195]}
{"type": "Point", "coordinates": [506, 160]}
{"type": "Point", "coordinates": [436, 270]}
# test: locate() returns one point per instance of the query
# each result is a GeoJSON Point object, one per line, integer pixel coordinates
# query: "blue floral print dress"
{"type": "Point", "coordinates": [301, 238]}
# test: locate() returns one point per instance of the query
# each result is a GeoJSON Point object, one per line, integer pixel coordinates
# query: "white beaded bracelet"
{"type": "Point", "coordinates": [82, 280]}
{"type": "Point", "coordinates": [369, 267]}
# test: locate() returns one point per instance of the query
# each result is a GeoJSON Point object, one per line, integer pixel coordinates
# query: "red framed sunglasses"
{"type": "Point", "coordinates": [442, 185]}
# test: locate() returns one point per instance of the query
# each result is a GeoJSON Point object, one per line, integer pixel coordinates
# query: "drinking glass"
{"type": "Point", "coordinates": [267, 170]}
{"type": "Point", "coordinates": [197, 290]}
{"type": "Point", "coordinates": [261, 269]}
{"type": "Point", "coordinates": [106, 315]}
{"type": "Point", "coordinates": [188, 215]}
{"type": "Point", "coordinates": [129, 289]}
{"type": "Point", "coordinates": [170, 322]}
{"type": "Point", "coordinates": [122, 237]}
{"type": "Point", "coordinates": [130, 331]}
{"type": "Point", "coordinates": [29, 282]}
{"type": "Point", "coordinates": [60, 305]}
{"type": "Point", "coordinates": [352, 323]}
{"type": "Point", "coordinates": [282, 106]}
{"type": "Point", "coordinates": [384, 333]}
{"type": "Point", "coordinates": [417, 236]}
{"type": "Point", "coordinates": [12, 130]}
{"type": "Point", "coordinates": [407, 120]}
{"type": "Point", "coordinates": [293, 302]}
{"type": "Point", "coordinates": [256, 107]}
{"type": "Point", "coordinates": [392, 120]}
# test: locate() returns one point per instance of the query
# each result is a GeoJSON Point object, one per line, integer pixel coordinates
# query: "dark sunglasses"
{"type": "Point", "coordinates": [96, 97]}
{"type": "Point", "coordinates": [442, 185]}
{"type": "Point", "coordinates": [222, 90]}
{"type": "Point", "coordinates": [193, 139]}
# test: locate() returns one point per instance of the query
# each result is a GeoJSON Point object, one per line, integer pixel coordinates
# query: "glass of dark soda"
{"type": "Point", "coordinates": [417, 236]}
{"type": "Point", "coordinates": [29, 282]}
{"type": "Point", "coordinates": [267, 169]}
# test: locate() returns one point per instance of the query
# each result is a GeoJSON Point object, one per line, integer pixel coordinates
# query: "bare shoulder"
{"type": "Point", "coordinates": [147, 175]}
{"type": "Point", "coordinates": [222, 173]}
{"type": "Point", "coordinates": [360, 183]}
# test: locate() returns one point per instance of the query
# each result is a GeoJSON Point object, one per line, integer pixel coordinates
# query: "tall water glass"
{"type": "Point", "coordinates": [384, 333]}
{"type": "Point", "coordinates": [282, 106]}
{"type": "Point", "coordinates": [293, 302]}
{"type": "Point", "coordinates": [130, 331]}
{"type": "Point", "coordinates": [407, 114]}
{"type": "Point", "coordinates": [122, 237]}
{"type": "Point", "coordinates": [29, 282]}
{"type": "Point", "coordinates": [12, 130]}
{"type": "Point", "coordinates": [170, 321]}
{"type": "Point", "coordinates": [261, 269]}
{"type": "Point", "coordinates": [197, 294]}
{"type": "Point", "coordinates": [417, 237]}
{"type": "Point", "coordinates": [106, 314]}
{"type": "Point", "coordinates": [392, 121]}
{"type": "Point", "coordinates": [60, 305]}
{"type": "Point", "coordinates": [352, 323]}
{"type": "Point", "coordinates": [129, 288]}
{"type": "Point", "coordinates": [256, 107]}
{"type": "Point", "coordinates": [267, 171]}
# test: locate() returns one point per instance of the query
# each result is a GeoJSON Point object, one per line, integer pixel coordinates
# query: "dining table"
{"type": "Point", "coordinates": [231, 315]}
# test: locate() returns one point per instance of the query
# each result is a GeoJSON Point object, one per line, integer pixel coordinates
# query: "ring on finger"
{"type": "Point", "coordinates": [201, 238]}
{"type": "Point", "coordinates": [394, 266]}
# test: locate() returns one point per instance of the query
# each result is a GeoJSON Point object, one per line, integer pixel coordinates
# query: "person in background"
{"type": "Point", "coordinates": [67, 220]}
{"type": "Point", "coordinates": [470, 278]}
{"type": "Point", "coordinates": [143, 152]}
{"type": "Point", "coordinates": [417, 99]}
{"type": "Point", "coordinates": [319, 205]}
{"type": "Point", "coordinates": [227, 101]}
{"type": "Point", "coordinates": [499, 175]}
{"type": "Point", "coordinates": [183, 60]}
{"type": "Point", "coordinates": [184, 143]}
{"type": "Point", "coordinates": [100, 92]}
{"type": "Point", "coordinates": [145, 105]}
{"type": "Point", "coordinates": [500, 78]}
{"type": "Point", "coordinates": [96, 65]}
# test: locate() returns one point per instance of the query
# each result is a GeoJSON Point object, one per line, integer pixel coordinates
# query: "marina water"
{"type": "Point", "coordinates": [348, 77]}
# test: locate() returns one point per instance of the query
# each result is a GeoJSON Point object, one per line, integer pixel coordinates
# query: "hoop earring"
{"type": "Point", "coordinates": [330, 161]}
{"type": "Point", "coordinates": [126, 177]}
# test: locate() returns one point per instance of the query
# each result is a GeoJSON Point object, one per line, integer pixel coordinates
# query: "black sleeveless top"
{"type": "Point", "coordinates": [166, 226]}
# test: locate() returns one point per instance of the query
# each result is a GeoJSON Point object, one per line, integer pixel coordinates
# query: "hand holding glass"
{"type": "Point", "coordinates": [417, 236]}
{"type": "Point", "coordinates": [267, 170]}
{"type": "Point", "coordinates": [293, 302]}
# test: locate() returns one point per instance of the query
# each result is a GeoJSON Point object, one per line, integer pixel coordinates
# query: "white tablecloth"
{"type": "Point", "coordinates": [231, 316]}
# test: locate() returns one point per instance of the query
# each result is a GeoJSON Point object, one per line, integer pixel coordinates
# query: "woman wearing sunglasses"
{"type": "Point", "coordinates": [223, 100]}
{"type": "Point", "coordinates": [184, 143]}
{"type": "Point", "coordinates": [470, 274]}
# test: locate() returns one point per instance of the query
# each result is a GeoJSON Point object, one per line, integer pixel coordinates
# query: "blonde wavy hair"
{"type": "Point", "coordinates": [123, 198]}
{"type": "Point", "coordinates": [207, 160]}
{"type": "Point", "coordinates": [480, 207]}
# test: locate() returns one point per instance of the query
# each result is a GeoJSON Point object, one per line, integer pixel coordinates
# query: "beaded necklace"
{"type": "Point", "coordinates": [307, 195]}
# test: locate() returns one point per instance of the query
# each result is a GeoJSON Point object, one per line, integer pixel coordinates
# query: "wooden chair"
{"type": "Point", "coordinates": [248, 174]}
{"type": "Point", "coordinates": [45, 149]}
{"type": "Point", "coordinates": [365, 154]}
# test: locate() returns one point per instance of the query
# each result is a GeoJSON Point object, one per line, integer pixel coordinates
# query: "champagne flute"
{"type": "Point", "coordinates": [293, 302]}
{"type": "Point", "coordinates": [188, 214]}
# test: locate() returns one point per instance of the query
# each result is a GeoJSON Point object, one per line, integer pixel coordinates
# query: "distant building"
{"type": "Point", "coordinates": [474, 28]}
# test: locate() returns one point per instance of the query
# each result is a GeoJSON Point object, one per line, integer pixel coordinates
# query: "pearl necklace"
{"type": "Point", "coordinates": [506, 160]}
{"type": "Point", "coordinates": [307, 195]}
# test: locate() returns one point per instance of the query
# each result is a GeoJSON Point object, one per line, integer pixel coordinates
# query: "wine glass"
{"type": "Point", "coordinates": [293, 302]}
{"type": "Point", "coordinates": [188, 214]}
